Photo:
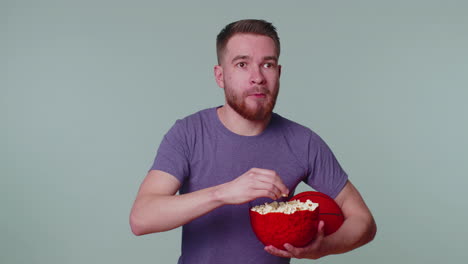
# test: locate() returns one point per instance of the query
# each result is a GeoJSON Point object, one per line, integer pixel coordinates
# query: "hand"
{"type": "Point", "coordinates": [311, 251]}
{"type": "Point", "coordinates": [253, 184]}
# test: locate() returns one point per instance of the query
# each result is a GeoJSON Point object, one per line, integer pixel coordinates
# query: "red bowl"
{"type": "Point", "coordinates": [297, 229]}
{"type": "Point", "coordinates": [330, 211]}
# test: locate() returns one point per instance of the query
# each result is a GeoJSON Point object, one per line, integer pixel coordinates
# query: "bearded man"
{"type": "Point", "coordinates": [222, 158]}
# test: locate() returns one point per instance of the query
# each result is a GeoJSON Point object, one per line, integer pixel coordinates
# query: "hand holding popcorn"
{"type": "Point", "coordinates": [251, 185]}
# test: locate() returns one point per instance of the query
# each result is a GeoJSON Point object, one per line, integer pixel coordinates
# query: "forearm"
{"type": "Point", "coordinates": [158, 209]}
{"type": "Point", "coordinates": [355, 232]}
{"type": "Point", "coordinates": [156, 213]}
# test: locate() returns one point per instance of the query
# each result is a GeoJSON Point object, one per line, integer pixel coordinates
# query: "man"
{"type": "Point", "coordinates": [222, 158]}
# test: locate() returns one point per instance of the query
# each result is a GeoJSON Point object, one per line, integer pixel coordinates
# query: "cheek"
{"type": "Point", "coordinates": [227, 77]}
{"type": "Point", "coordinates": [273, 75]}
{"type": "Point", "coordinates": [238, 75]}
{"type": "Point", "coordinates": [234, 80]}
{"type": "Point", "coordinates": [274, 79]}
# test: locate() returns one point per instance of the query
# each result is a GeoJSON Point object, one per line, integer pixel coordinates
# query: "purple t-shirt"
{"type": "Point", "coordinates": [201, 152]}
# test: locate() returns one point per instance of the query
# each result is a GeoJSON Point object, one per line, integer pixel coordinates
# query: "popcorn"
{"type": "Point", "coordinates": [289, 207]}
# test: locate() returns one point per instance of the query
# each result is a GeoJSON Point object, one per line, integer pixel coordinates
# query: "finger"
{"type": "Point", "coordinates": [263, 171]}
{"type": "Point", "coordinates": [257, 193]}
{"type": "Point", "coordinates": [294, 251]}
{"type": "Point", "coordinates": [321, 230]}
{"type": "Point", "coordinates": [278, 252]}
{"type": "Point", "coordinates": [254, 182]}
{"type": "Point", "coordinates": [268, 186]}
{"type": "Point", "coordinates": [276, 181]}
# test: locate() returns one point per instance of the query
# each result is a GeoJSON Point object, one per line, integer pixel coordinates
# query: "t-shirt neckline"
{"type": "Point", "coordinates": [227, 132]}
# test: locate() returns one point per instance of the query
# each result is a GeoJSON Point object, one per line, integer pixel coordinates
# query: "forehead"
{"type": "Point", "coordinates": [250, 45]}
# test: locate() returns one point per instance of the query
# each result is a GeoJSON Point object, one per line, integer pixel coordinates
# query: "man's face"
{"type": "Point", "coordinates": [250, 75]}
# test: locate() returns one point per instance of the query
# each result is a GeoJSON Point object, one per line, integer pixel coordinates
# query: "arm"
{"type": "Point", "coordinates": [358, 229]}
{"type": "Point", "coordinates": [157, 208]}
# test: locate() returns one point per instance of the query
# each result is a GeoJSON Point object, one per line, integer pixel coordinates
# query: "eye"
{"type": "Point", "coordinates": [241, 64]}
{"type": "Point", "coordinates": [268, 65]}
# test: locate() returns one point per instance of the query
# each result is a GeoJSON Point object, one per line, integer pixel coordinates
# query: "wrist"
{"type": "Point", "coordinates": [324, 249]}
{"type": "Point", "coordinates": [218, 195]}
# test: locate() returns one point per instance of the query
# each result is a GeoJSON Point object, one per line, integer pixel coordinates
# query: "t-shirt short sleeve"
{"type": "Point", "coordinates": [173, 153]}
{"type": "Point", "coordinates": [325, 173]}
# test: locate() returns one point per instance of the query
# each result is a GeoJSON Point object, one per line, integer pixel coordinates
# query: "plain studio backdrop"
{"type": "Point", "coordinates": [89, 88]}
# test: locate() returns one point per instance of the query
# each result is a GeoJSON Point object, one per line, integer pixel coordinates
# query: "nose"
{"type": "Point", "coordinates": [256, 76]}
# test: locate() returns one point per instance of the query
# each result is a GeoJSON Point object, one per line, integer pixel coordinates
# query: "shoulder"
{"type": "Point", "coordinates": [299, 135]}
{"type": "Point", "coordinates": [190, 129]}
{"type": "Point", "coordinates": [194, 121]}
{"type": "Point", "coordinates": [292, 128]}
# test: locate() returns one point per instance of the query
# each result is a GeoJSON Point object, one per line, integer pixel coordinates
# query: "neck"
{"type": "Point", "coordinates": [238, 124]}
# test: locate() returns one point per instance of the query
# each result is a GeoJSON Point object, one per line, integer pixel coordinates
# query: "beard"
{"type": "Point", "coordinates": [262, 109]}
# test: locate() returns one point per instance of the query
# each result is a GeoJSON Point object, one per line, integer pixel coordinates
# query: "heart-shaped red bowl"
{"type": "Point", "coordinates": [297, 229]}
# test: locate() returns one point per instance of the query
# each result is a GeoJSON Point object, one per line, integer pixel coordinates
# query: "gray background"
{"type": "Point", "coordinates": [88, 89]}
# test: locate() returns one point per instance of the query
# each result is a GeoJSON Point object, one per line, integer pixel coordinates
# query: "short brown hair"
{"type": "Point", "coordinates": [249, 26]}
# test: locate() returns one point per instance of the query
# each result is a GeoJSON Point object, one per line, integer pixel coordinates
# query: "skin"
{"type": "Point", "coordinates": [249, 70]}
{"type": "Point", "coordinates": [249, 73]}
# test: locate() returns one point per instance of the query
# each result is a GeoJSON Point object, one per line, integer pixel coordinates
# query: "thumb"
{"type": "Point", "coordinates": [321, 229]}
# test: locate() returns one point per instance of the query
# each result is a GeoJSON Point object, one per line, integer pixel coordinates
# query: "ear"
{"type": "Point", "coordinates": [219, 76]}
{"type": "Point", "coordinates": [279, 71]}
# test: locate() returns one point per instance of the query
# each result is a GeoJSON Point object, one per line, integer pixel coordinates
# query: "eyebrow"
{"type": "Point", "coordinates": [244, 57]}
{"type": "Point", "coordinates": [274, 58]}
{"type": "Point", "coordinates": [240, 57]}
